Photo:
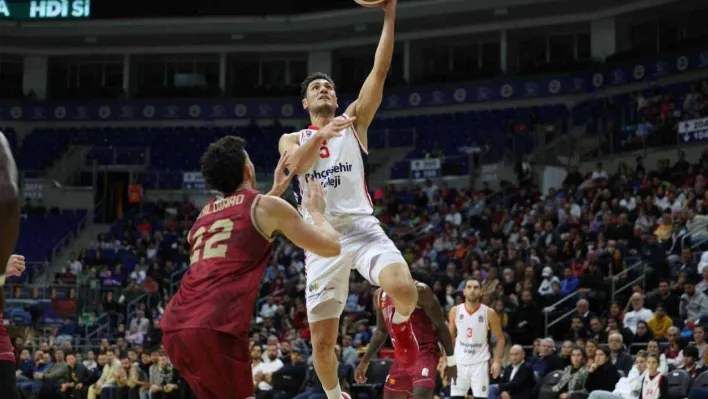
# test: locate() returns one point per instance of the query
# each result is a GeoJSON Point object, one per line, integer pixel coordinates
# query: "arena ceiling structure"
{"type": "Point", "coordinates": [133, 26]}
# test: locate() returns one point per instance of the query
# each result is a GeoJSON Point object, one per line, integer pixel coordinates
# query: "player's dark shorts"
{"type": "Point", "coordinates": [422, 373]}
{"type": "Point", "coordinates": [8, 382]}
{"type": "Point", "coordinates": [215, 364]}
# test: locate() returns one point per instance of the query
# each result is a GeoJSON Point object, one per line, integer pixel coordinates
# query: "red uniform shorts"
{"type": "Point", "coordinates": [215, 364]}
{"type": "Point", "coordinates": [421, 374]}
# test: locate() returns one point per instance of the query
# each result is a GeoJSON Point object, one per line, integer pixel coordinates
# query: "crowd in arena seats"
{"type": "Point", "coordinates": [636, 227]}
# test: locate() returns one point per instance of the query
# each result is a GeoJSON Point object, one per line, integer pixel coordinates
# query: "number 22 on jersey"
{"type": "Point", "coordinates": [215, 246]}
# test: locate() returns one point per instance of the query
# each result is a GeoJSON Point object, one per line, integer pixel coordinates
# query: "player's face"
{"type": "Point", "coordinates": [473, 291]}
{"type": "Point", "coordinates": [320, 96]}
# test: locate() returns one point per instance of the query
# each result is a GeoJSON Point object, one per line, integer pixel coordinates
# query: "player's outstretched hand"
{"type": "Point", "coordinates": [314, 197]}
{"type": "Point", "coordinates": [280, 178]}
{"type": "Point", "coordinates": [360, 372]}
{"type": "Point", "coordinates": [15, 266]}
{"type": "Point", "coordinates": [451, 373]}
{"type": "Point", "coordinates": [334, 128]}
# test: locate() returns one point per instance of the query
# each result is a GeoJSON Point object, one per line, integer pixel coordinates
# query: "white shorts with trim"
{"type": "Point", "coordinates": [474, 376]}
{"type": "Point", "coordinates": [365, 247]}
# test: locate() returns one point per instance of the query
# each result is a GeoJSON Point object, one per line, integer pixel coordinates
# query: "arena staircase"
{"type": "Point", "coordinates": [88, 234]}
{"type": "Point", "coordinates": [70, 162]}
{"type": "Point", "coordinates": [381, 161]}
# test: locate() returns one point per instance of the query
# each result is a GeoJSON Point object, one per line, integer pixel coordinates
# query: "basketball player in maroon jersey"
{"type": "Point", "coordinates": [428, 320]}
{"type": "Point", "coordinates": [9, 230]}
{"type": "Point", "coordinates": [206, 324]}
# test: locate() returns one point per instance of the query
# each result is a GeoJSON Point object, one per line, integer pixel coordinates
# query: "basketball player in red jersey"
{"type": "Point", "coordinates": [428, 320]}
{"type": "Point", "coordinates": [336, 158]}
{"type": "Point", "coordinates": [9, 230]}
{"type": "Point", "coordinates": [206, 324]}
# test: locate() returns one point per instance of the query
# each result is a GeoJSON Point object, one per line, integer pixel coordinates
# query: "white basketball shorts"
{"type": "Point", "coordinates": [365, 247]}
{"type": "Point", "coordinates": [474, 376]}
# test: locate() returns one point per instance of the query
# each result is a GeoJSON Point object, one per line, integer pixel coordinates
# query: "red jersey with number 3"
{"type": "Point", "coordinates": [228, 254]}
{"type": "Point", "coordinates": [423, 328]}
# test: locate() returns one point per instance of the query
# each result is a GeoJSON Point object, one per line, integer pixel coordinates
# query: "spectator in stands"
{"type": "Point", "coordinates": [674, 354]}
{"type": "Point", "coordinates": [638, 313]}
{"type": "Point", "coordinates": [627, 387]}
{"type": "Point", "coordinates": [653, 349]}
{"type": "Point", "coordinates": [602, 374]}
{"type": "Point", "coordinates": [517, 380]}
{"type": "Point", "coordinates": [569, 283]}
{"type": "Point", "coordinates": [162, 378]}
{"type": "Point", "coordinates": [621, 359]}
{"type": "Point", "coordinates": [693, 303]}
{"type": "Point", "coordinates": [140, 323]}
{"type": "Point", "coordinates": [269, 308]}
{"type": "Point", "coordinates": [107, 378]}
{"type": "Point", "coordinates": [287, 380]}
{"type": "Point", "coordinates": [691, 361]}
{"type": "Point", "coordinates": [699, 338]}
{"type": "Point", "coordinates": [574, 375]}
{"type": "Point", "coordinates": [77, 378]}
{"type": "Point", "coordinates": [660, 323]}
{"type": "Point", "coordinates": [262, 373]}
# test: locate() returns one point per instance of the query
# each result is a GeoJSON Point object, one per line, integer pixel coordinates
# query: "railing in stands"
{"type": "Point", "coordinates": [556, 306]}
{"type": "Point", "coordinates": [641, 266]}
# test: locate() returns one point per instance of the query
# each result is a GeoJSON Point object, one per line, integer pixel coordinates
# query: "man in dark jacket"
{"type": "Point", "coordinates": [517, 379]}
{"type": "Point", "coordinates": [76, 386]}
{"type": "Point", "coordinates": [524, 325]}
{"type": "Point", "coordinates": [289, 379]}
{"type": "Point", "coordinates": [621, 359]}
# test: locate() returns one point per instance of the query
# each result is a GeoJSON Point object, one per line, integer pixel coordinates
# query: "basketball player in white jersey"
{"type": "Point", "coordinates": [333, 151]}
{"type": "Point", "coordinates": [470, 322]}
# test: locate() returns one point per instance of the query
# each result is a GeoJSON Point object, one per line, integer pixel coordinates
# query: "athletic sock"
{"type": "Point", "coordinates": [334, 393]}
{"type": "Point", "coordinates": [399, 318]}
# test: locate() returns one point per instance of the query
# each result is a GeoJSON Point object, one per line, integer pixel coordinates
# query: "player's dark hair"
{"type": "Point", "coordinates": [473, 279]}
{"type": "Point", "coordinates": [223, 164]}
{"type": "Point", "coordinates": [315, 76]}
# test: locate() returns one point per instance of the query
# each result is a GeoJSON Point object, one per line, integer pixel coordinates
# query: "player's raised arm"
{"type": "Point", "coordinates": [371, 94]}
{"type": "Point", "coordinates": [9, 209]}
{"type": "Point", "coordinates": [273, 215]}
{"type": "Point", "coordinates": [303, 156]}
{"type": "Point", "coordinates": [377, 341]}
{"type": "Point", "coordinates": [495, 326]}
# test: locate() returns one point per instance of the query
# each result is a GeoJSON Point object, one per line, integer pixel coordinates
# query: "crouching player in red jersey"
{"type": "Point", "coordinates": [9, 230]}
{"type": "Point", "coordinates": [428, 320]}
{"type": "Point", "coordinates": [206, 324]}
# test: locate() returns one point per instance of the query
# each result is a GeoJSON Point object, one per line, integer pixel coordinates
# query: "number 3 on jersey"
{"type": "Point", "coordinates": [221, 231]}
{"type": "Point", "coordinates": [469, 333]}
{"type": "Point", "coordinates": [324, 151]}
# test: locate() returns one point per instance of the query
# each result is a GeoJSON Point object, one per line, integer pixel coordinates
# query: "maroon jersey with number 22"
{"type": "Point", "coordinates": [228, 254]}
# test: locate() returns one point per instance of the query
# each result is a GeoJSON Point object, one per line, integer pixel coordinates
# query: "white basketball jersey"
{"type": "Point", "coordinates": [650, 386]}
{"type": "Point", "coordinates": [341, 170]}
{"type": "Point", "coordinates": [472, 342]}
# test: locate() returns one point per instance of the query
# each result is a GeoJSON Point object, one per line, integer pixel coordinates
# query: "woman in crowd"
{"type": "Point", "coordinates": [603, 374]}
{"type": "Point", "coordinates": [574, 376]}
